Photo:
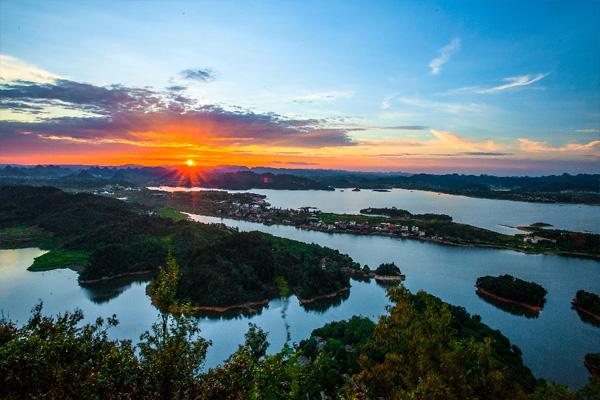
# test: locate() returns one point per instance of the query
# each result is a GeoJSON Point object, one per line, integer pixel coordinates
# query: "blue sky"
{"type": "Point", "coordinates": [505, 71]}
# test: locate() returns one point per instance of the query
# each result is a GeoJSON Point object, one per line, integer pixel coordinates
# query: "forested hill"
{"type": "Point", "coordinates": [219, 266]}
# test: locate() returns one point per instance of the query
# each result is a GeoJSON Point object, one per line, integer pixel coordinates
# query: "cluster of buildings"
{"type": "Point", "coordinates": [366, 228]}
{"type": "Point", "coordinates": [259, 211]}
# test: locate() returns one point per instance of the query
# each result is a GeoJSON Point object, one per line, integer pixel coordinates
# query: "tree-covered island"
{"type": "Point", "coordinates": [587, 303]}
{"type": "Point", "coordinates": [105, 238]}
{"type": "Point", "coordinates": [509, 289]}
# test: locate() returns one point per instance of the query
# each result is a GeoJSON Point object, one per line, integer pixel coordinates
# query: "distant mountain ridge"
{"type": "Point", "coordinates": [565, 188]}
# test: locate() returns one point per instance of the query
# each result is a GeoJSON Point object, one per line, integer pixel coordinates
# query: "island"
{"type": "Point", "coordinates": [587, 303]}
{"type": "Point", "coordinates": [388, 272]}
{"type": "Point", "coordinates": [508, 289]}
{"type": "Point", "coordinates": [220, 268]}
{"type": "Point", "coordinates": [592, 363]}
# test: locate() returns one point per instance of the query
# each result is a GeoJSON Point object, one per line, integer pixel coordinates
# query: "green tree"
{"type": "Point", "coordinates": [424, 349]}
{"type": "Point", "coordinates": [58, 358]}
{"type": "Point", "coordinates": [172, 353]}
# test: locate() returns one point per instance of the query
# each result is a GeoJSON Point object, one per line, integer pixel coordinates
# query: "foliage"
{"type": "Point", "coordinates": [57, 358]}
{"type": "Point", "coordinates": [400, 214]}
{"type": "Point", "coordinates": [171, 353]}
{"type": "Point", "coordinates": [125, 239]}
{"type": "Point", "coordinates": [512, 288]}
{"type": "Point", "coordinates": [244, 267]}
{"type": "Point", "coordinates": [592, 362]}
{"type": "Point", "coordinates": [587, 301]}
{"type": "Point", "coordinates": [423, 349]}
{"type": "Point", "coordinates": [388, 269]}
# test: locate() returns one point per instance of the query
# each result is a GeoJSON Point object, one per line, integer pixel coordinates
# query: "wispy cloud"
{"type": "Point", "coordinates": [323, 96]}
{"type": "Point", "coordinates": [588, 130]}
{"type": "Point", "coordinates": [542, 147]}
{"type": "Point", "coordinates": [444, 55]}
{"type": "Point", "coordinates": [453, 141]}
{"type": "Point", "coordinates": [445, 107]}
{"type": "Point", "coordinates": [386, 102]}
{"type": "Point", "coordinates": [514, 82]}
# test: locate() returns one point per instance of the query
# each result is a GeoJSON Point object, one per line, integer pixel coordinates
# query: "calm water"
{"type": "Point", "coordinates": [553, 345]}
{"type": "Point", "coordinates": [485, 213]}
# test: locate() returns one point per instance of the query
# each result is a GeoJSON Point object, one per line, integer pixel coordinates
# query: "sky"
{"type": "Point", "coordinates": [431, 86]}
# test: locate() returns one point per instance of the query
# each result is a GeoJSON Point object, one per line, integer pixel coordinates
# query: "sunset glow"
{"type": "Point", "coordinates": [441, 101]}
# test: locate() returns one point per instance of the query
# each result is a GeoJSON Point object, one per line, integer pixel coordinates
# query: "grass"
{"type": "Point", "coordinates": [60, 259]}
{"type": "Point", "coordinates": [173, 214]}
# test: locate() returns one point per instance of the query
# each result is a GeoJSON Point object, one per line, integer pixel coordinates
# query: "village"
{"type": "Point", "coordinates": [312, 219]}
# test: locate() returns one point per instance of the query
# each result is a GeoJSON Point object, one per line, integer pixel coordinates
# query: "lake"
{"type": "Point", "coordinates": [553, 344]}
{"type": "Point", "coordinates": [496, 215]}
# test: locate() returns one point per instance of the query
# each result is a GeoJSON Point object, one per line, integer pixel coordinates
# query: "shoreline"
{"type": "Point", "coordinates": [109, 278]}
{"type": "Point", "coordinates": [586, 312]}
{"type": "Point", "coordinates": [249, 306]}
{"type": "Point", "coordinates": [426, 240]}
{"type": "Point", "coordinates": [390, 278]}
{"type": "Point", "coordinates": [507, 300]}
{"type": "Point", "coordinates": [323, 296]}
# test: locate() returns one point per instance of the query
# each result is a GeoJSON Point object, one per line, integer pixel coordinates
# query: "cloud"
{"type": "Point", "coordinates": [484, 153]}
{"type": "Point", "coordinates": [144, 117]}
{"type": "Point", "coordinates": [542, 147]}
{"type": "Point", "coordinates": [322, 96]}
{"type": "Point", "coordinates": [386, 102]}
{"type": "Point", "coordinates": [176, 88]}
{"type": "Point", "coordinates": [444, 55]}
{"type": "Point", "coordinates": [588, 130]}
{"type": "Point", "coordinates": [294, 162]}
{"type": "Point", "coordinates": [514, 82]}
{"type": "Point", "coordinates": [455, 142]}
{"type": "Point", "coordinates": [198, 74]}
{"type": "Point", "coordinates": [13, 69]}
{"type": "Point", "coordinates": [445, 107]}
{"type": "Point", "coordinates": [358, 127]}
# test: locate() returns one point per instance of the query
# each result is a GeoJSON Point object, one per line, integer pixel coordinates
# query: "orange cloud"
{"type": "Point", "coordinates": [542, 147]}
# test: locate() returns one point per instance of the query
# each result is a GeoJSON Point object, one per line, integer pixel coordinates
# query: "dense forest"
{"type": "Point", "coordinates": [109, 238]}
{"type": "Point", "coordinates": [422, 349]}
{"type": "Point", "coordinates": [511, 288]}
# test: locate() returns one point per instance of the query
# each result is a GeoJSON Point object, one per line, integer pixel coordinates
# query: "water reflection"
{"type": "Point", "coordinates": [103, 292]}
{"type": "Point", "coordinates": [322, 305]}
{"type": "Point", "coordinates": [588, 319]}
{"type": "Point", "coordinates": [513, 309]}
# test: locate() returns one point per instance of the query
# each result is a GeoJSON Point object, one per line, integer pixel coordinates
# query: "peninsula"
{"type": "Point", "coordinates": [105, 238]}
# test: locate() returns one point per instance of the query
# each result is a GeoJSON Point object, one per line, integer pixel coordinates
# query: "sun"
{"type": "Point", "coordinates": [190, 163]}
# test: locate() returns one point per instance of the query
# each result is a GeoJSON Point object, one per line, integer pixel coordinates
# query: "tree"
{"type": "Point", "coordinates": [172, 353]}
{"type": "Point", "coordinates": [425, 349]}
